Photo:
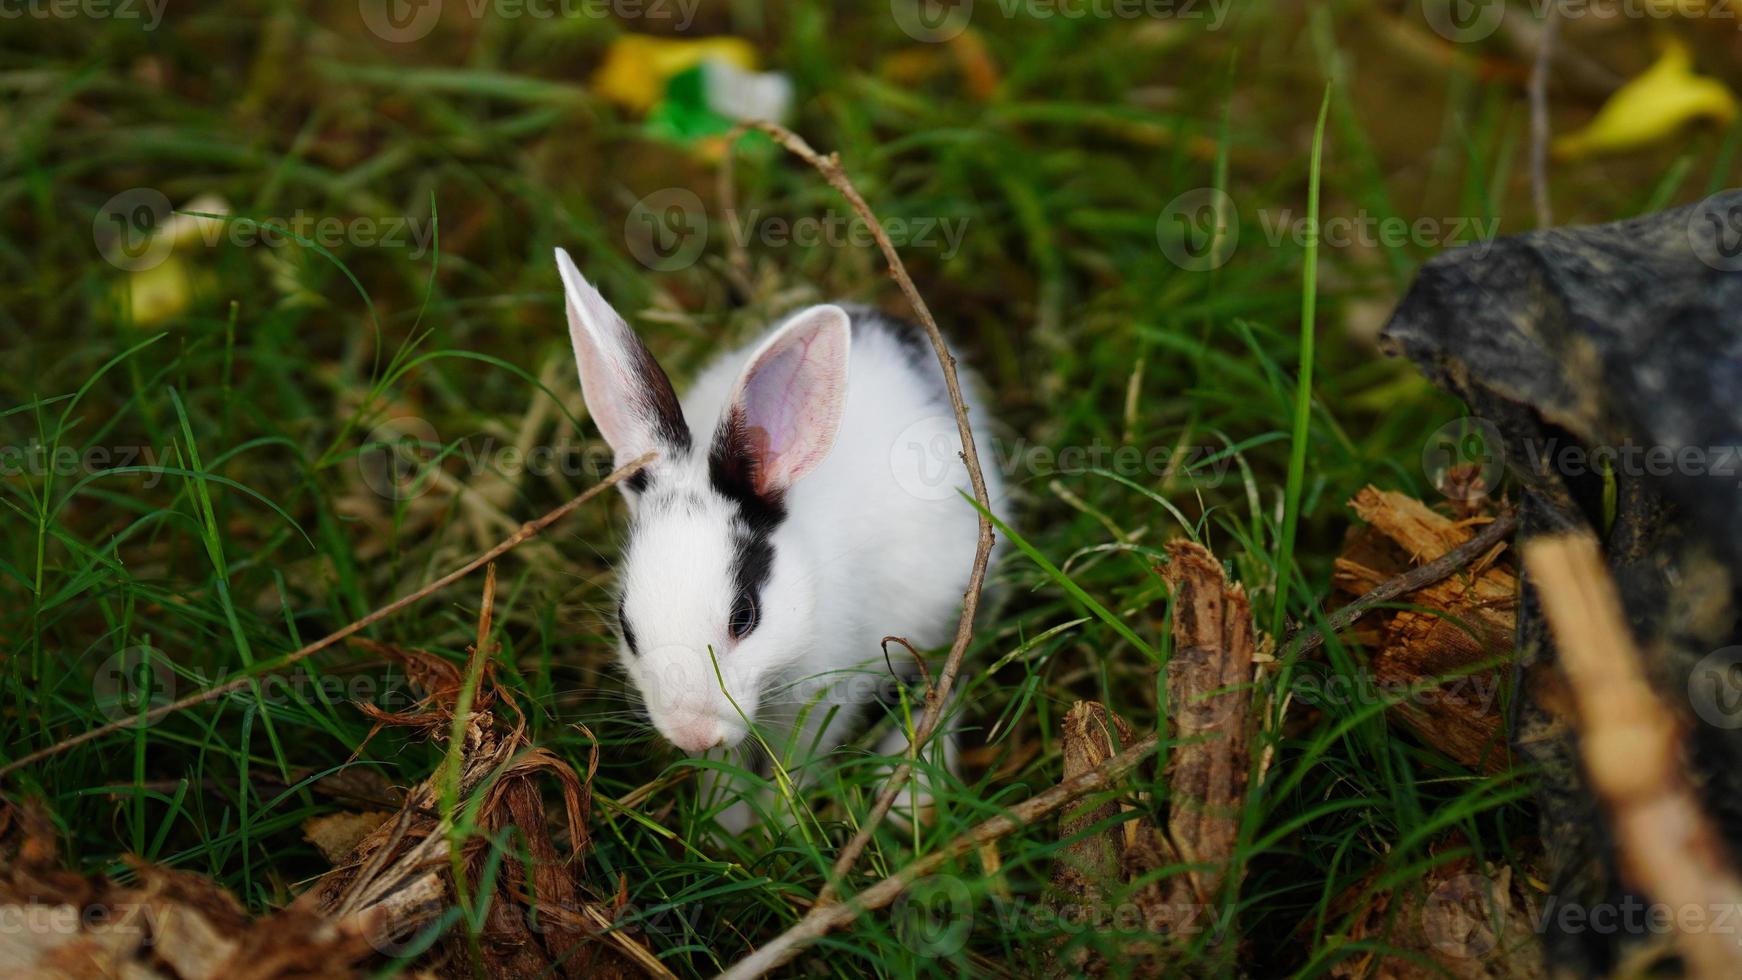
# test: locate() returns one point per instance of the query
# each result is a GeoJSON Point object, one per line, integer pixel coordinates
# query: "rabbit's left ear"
{"type": "Point", "coordinates": [786, 407]}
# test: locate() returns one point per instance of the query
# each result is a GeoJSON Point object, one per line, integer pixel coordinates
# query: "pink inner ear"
{"type": "Point", "coordinates": [793, 395]}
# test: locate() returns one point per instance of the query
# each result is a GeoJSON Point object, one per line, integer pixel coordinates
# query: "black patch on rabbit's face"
{"type": "Point", "coordinates": [752, 562]}
{"type": "Point", "coordinates": [732, 463]}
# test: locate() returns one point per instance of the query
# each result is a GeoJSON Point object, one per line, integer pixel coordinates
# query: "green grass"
{"type": "Point", "coordinates": [241, 523]}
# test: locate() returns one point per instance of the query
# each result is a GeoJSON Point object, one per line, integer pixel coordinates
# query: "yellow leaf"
{"type": "Point", "coordinates": [159, 292]}
{"type": "Point", "coordinates": [1651, 107]}
{"type": "Point", "coordinates": [637, 67]}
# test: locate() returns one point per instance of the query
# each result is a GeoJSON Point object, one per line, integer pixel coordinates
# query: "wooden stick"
{"type": "Point", "coordinates": [1632, 747]}
{"type": "Point", "coordinates": [1419, 577]}
{"type": "Point", "coordinates": [825, 918]}
{"type": "Point", "coordinates": [830, 167]}
{"type": "Point", "coordinates": [526, 532]}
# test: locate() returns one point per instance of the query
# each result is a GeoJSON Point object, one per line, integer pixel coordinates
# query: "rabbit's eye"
{"type": "Point", "coordinates": [628, 634]}
{"type": "Point", "coordinates": [744, 616]}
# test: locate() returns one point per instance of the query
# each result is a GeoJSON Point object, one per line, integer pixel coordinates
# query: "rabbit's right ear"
{"type": "Point", "coordinates": [628, 395]}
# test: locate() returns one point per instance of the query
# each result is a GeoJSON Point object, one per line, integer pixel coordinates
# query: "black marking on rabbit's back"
{"type": "Point", "coordinates": [909, 337]}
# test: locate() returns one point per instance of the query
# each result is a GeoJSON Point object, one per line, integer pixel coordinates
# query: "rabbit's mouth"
{"type": "Point", "coordinates": [696, 732]}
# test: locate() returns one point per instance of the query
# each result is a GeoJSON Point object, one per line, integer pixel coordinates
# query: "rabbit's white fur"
{"type": "Point", "coordinates": [853, 438]}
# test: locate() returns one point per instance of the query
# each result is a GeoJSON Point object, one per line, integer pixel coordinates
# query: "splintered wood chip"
{"type": "Point", "coordinates": [1444, 663]}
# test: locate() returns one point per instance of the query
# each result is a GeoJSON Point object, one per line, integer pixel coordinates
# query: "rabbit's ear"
{"type": "Point", "coordinates": [786, 408]}
{"type": "Point", "coordinates": [627, 393]}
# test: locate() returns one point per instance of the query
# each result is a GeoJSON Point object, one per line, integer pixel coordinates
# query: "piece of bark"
{"type": "Point", "coordinates": [165, 924]}
{"type": "Point", "coordinates": [1209, 695]}
{"type": "Point", "coordinates": [1460, 921]}
{"type": "Point", "coordinates": [1110, 875]}
{"type": "Point", "coordinates": [1209, 691]}
{"type": "Point", "coordinates": [1632, 746]}
{"type": "Point", "coordinates": [1089, 862]}
{"type": "Point", "coordinates": [1466, 619]}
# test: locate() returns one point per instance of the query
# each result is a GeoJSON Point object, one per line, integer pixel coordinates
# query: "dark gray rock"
{"type": "Point", "coordinates": [1619, 343]}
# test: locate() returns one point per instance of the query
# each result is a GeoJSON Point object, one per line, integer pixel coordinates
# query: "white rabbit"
{"type": "Point", "coordinates": [803, 505]}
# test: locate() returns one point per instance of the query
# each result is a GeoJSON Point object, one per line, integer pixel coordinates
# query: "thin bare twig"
{"type": "Point", "coordinates": [824, 918]}
{"type": "Point", "coordinates": [830, 167]}
{"type": "Point", "coordinates": [526, 532]}
{"type": "Point", "coordinates": [1419, 577]}
{"type": "Point", "coordinates": [918, 659]}
{"type": "Point", "coordinates": [1539, 128]}
{"type": "Point", "coordinates": [1523, 34]}
{"type": "Point", "coordinates": [737, 256]}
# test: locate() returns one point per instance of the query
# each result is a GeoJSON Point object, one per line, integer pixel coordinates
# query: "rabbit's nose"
{"type": "Point", "coordinates": [697, 734]}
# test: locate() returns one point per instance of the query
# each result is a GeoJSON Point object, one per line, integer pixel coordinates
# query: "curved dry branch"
{"type": "Point", "coordinates": [937, 698]}
{"type": "Point", "coordinates": [824, 918]}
